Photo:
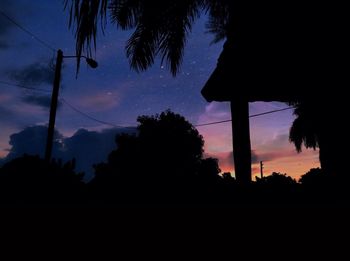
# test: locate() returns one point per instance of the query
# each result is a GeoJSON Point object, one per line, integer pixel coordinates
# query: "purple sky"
{"type": "Point", "coordinates": [115, 94]}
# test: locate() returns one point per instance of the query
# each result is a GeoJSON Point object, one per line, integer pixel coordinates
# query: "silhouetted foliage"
{"type": "Point", "coordinates": [277, 180]}
{"type": "Point", "coordinates": [317, 126]}
{"type": "Point", "coordinates": [209, 170]}
{"type": "Point", "coordinates": [266, 46]}
{"type": "Point", "coordinates": [31, 180]}
{"type": "Point", "coordinates": [321, 187]}
{"type": "Point", "coordinates": [160, 27]}
{"type": "Point", "coordinates": [314, 177]}
{"type": "Point", "coordinates": [163, 163]}
{"type": "Point", "coordinates": [277, 188]}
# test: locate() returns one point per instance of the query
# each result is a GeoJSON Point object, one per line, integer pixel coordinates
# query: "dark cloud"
{"type": "Point", "coordinates": [228, 159]}
{"type": "Point", "coordinates": [31, 141]}
{"type": "Point", "coordinates": [88, 147]}
{"type": "Point", "coordinates": [255, 157]}
{"type": "Point", "coordinates": [34, 74]}
{"type": "Point", "coordinates": [39, 100]}
{"type": "Point", "coordinates": [270, 156]}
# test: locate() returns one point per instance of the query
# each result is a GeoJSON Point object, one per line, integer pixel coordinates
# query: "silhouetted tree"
{"type": "Point", "coordinates": [317, 126]}
{"type": "Point", "coordinates": [209, 170]}
{"type": "Point", "coordinates": [161, 28]}
{"type": "Point", "coordinates": [266, 46]}
{"type": "Point", "coordinates": [315, 177]}
{"type": "Point", "coordinates": [277, 180]}
{"type": "Point", "coordinates": [162, 161]}
{"type": "Point", "coordinates": [31, 180]}
{"type": "Point", "coordinates": [276, 188]}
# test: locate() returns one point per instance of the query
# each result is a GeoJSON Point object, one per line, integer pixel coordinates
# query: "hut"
{"type": "Point", "coordinates": [286, 51]}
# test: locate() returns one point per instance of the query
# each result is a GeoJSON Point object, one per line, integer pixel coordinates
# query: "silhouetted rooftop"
{"type": "Point", "coordinates": [281, 51]}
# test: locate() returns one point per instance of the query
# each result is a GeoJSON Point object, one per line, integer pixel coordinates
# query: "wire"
{"type": "Point", "coordinates": [251, 116]}
{"type": "Point", "coordinates": [25, 87]}
{"type": "Point", "coordinates": [27, 31]}
{"type": "Point", "coordinates": [118, 126]}
{"type": "Point", "coordinates": [270, 112]}
{"type": "Point", "coordinates": [90, 117]}
{"type": "Point", "coordinates": [212, 123]}
{"type": "Point", "coordinates": [67, 103]}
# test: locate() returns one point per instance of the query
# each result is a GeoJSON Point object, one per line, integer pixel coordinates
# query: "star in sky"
{"type": "Point", "coordinates": [114, 93]}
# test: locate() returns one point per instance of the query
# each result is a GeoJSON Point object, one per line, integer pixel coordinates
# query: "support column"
{"type": "Point", "coordinates": [53, 107]}
{"type": "Point", "coordinates": [241, 140]}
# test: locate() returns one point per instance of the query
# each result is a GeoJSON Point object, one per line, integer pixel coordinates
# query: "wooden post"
{"type": "Point", "coordinates": [241, 140]}
{"type": "Point", "coordinates": [53, 108]}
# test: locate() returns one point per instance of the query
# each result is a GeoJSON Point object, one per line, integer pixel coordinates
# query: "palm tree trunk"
{"type": "Point", "coordinates": [241, 140]}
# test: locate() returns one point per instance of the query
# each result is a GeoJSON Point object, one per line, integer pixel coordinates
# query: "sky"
{"type": "Point", "coordinates": [115, 94]}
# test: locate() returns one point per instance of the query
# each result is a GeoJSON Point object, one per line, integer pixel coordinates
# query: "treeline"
{"type": "Point", "coordinates": [163, 165]}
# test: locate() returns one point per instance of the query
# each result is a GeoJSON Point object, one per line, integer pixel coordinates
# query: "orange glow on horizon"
{"type": "Point", "coordinates": [293, 166]}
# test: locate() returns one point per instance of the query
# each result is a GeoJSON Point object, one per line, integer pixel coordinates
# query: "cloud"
{"type": "Point", "coordinates": [217, 111]}
{"type": "Point", "coordinates": [100, 101]}
{"type": "Point", "coordinates": [278, 142]}
{"type": "Point", "coordinates": [7, 115]}
{"type": "Point", "coordinates": [218, 138]}
{"type": "Point", "coordinates": [226, 161]}
{"type": "Point", "coordinates": [255, 158]}
{"type": "Point", "coordinates": [34, 74]}
{"type": "Point", "coordinates": [39, 100]}
{"type": "Point", "coordinates": [87, 147]}
{"type": "Point", "coordinates": [269, 136]}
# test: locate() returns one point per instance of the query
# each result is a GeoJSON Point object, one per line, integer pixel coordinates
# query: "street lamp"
{"type": "Point", "coordinates": [54, 99]}
{"type": "Point", "coordinates": [91, 62]}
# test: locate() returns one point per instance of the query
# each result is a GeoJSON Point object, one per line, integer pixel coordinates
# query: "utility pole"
{"type": "Point", "coordinates": [262, 169]}
{"type": "Point", "coordinates": [53, 108]}
{"type": "Point", "coordinates": [54, 99]}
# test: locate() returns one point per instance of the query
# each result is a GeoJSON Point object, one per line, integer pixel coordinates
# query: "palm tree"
{"type": "Point", "coordinates": [315, 127]}
{"type": "Point", "coordinates": [161, 29]}
{"type": "Point", "coordinates": [281, 45]}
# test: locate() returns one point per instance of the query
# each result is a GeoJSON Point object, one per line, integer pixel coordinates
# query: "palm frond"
{"type": "Point", "coordinates": [175, 32]}
{"type": "Point", "coordinates": [304, 130]}
{"type": "Point", "coordinates": [218, 19]}
{"type": "Point", "coordinates": [85, 16]}
{"type": "Point", "coordinates": [162, 29]}
{"type": "Point", "coordinates": [141, 47]}
{"type": "Point", "coordinates": [125, 13]}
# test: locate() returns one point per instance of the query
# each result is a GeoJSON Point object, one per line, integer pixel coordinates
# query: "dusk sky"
{"type": "Point", "coordinates": [115, 94]}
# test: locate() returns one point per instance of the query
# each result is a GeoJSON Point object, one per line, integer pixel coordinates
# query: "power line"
{"type": "Point", "coordinates": [270, 112]}
{"type": "Point", "coordinates": [251, 116]}
{"type": "Point", "coordinates": [90, 117]}
{"type": "Point", "coordinates": [25, 87]}
{"type": "Point", "coordinates": [64, 101]}
{"type": "Point", "coordinates": [118, 126]}
{"type": "Point", "coordinates": [212, 123]}
{"type": "Point", "coordinates": [27, 31]}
